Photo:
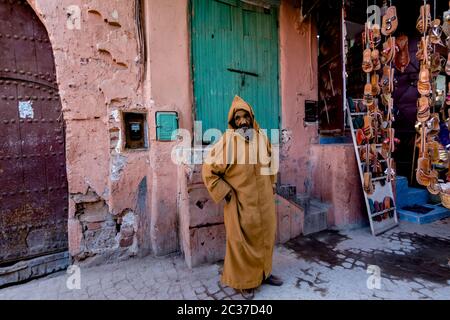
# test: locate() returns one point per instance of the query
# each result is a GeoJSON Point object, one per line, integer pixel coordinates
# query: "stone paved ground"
{"type": "Point", "coordinates": [414, 263]}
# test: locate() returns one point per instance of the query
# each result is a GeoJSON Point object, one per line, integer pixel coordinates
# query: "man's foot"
{"type": "Point", "coordinates": [247, 294]}
{"type": "Point", "coordinates": [273, 281]}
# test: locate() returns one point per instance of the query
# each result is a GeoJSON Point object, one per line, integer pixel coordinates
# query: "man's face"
{"type": "Point", "coordinates": [242, 120]}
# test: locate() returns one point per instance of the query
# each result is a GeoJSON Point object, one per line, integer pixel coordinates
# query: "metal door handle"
{"type": "Point", "coordinates": [243, 72]}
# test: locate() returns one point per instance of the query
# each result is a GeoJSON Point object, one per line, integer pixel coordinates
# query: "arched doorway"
{"type": "Point", "coordinates": [33, 181]}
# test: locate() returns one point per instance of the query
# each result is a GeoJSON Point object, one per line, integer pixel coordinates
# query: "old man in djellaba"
{"type": "Point", "coordinates": [241, 169]}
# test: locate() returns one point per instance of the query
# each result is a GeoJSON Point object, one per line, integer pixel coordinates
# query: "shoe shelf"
{"type": "Point", "coordinates": [378, 145]}
{"type": "Point", "coordinates": [379, 178]}
{"type": "Point", "coordinates": [382, 187]}
{"type": "Point", "coordinates": [379, 213]}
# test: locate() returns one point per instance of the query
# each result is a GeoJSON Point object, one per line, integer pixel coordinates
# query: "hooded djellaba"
{"type": "Point", "coordinates": [243, 167]}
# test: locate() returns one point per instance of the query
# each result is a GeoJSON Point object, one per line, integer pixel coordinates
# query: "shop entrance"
{"type": "Point", "coordinates": [234, 52]}
{"type": "Point", "coordinates": [405, 92]}
{"type": "Point", "coordinates": [33, 189]}
{"type": "Point", "coordinates": [417, 200]}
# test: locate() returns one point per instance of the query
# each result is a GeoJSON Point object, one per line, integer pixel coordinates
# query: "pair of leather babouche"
{"type": "Point", "coordinates": [376, 207]}
{"type": "Point", "coordinates": [431, 64]}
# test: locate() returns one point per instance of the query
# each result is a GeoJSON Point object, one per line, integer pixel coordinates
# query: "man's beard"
{"type": "Point", "coordinates": [246, 132]}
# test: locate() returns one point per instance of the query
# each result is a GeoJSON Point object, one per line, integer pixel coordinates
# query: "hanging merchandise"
{"type": "Point", "coordinates": [371, 120]}
{"type": "Point", "coordinates": [402, 59]}
{"type": "Point", "coordinates": [444, 191]}
{"type": "Point", "coordinates": [427, 121]}
{"type": "Point", "coordinates": [446, 26]}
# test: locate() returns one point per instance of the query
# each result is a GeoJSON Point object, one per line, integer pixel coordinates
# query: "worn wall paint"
{"type": "Point", "coordinates": [170, 90]}
{"type": "Point", "coordinates": [335, 180]}
{"type": "Point", "coordinates": [298, 74]}
{"type": "Point", "coordinates": [97, 65]}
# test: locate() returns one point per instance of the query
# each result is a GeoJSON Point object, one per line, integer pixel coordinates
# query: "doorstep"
{"type": "Point", "coordinates": [27, 270]}
{"type": "Point", "coordinates": [438, 212]}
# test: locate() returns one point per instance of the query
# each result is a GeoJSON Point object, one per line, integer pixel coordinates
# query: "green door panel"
{"type": "Point", "coordinates": [234, 51]}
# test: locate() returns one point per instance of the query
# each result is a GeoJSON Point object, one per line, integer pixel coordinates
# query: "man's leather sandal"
{"type": "Point", "coordinates": [273, 281]}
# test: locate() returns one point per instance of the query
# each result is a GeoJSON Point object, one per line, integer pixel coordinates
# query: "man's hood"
{"type": "Point", "coordinates": [239, 104]}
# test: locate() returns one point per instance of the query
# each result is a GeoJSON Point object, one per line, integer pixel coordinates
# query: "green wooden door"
{"type": "Point", "coordinates": [234, 51]}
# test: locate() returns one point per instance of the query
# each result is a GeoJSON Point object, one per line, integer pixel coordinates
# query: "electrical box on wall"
{"type": "Point", "coordinates": [135, 130]}
{"type": "Point", "coordinates": [166, 124]}
{"type": "Point", "coordinates": [311, 111]}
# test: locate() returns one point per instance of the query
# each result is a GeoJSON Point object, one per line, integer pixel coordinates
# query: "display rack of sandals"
{"type": "Point", "coordinates": [428, 120]}
{"type": "Point", "coordinates": [371, 120]}
{"type": "Point", "coordinates": [445, 192]}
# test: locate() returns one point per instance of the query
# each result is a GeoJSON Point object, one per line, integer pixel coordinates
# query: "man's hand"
{"type": "Point", "coordinates": [274, 188]}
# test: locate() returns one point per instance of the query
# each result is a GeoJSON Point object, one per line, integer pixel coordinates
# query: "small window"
{"type": "Point", "coordinates": [135, 130]}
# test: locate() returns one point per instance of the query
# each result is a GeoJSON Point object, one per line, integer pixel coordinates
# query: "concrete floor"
{"type": "Point", "coordinates": [412, 261]}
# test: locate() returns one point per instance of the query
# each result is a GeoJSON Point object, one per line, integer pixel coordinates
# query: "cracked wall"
{"type": "Point", "coordinates": [103, 236]}
{"type": "Point", "coordinates": [113, 57]}
{"type": "Point", "coordinates": [98, 64]}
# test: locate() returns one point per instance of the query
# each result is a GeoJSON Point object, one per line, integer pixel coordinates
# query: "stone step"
{"type": "Point", "coordinates": [316, 214]}
{"type": "Point", "coordinates": [407, 196]}
{"type": "Point", "coordinates": [34, 268]}
{"type": "Point", "coordinates": [412, 196]}
{"type": "Point", "coordinates": [438, 212]}
{"type": "Point", "coordinates": [302, 199]}
{"type": "Point", "coordinates": [401, 184]}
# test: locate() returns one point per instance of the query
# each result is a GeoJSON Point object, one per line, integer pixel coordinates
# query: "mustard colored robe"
{"type": "Point", "coordinates": [250, 218]}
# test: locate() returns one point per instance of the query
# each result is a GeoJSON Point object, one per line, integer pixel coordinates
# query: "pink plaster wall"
{"type": "Point", "coordinates": [298, 74]}
{"type": "Point", "coordinates": [98, 69]}
{"type": "Point", "coordinates": [335, 180]}
{"type": "Point", "coordinates": [170, 90]}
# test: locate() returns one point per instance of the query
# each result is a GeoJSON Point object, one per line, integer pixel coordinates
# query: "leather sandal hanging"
{"type": "Point", "coordinates": [437, 63]}
{"type": "Point", "coordinates": [447, 65]}
{"type": "Point", "coordinates": [377, 169]}
{"type": "Point", "coordinates": [423, 163]}
{"type": "Point", "coordinates": [390, 170]}
{"type": "Point", "coordinates": [446, 27]}
{"type": "Point", "coordinates": [424, 20]}
{"type": "Point", "coordinates": [387, 80]}
{"type": "Point", "coordinates": [368, 184]}
{"type": "Point", "coordinates": [436, 32]}
{"type": "Point", "coordinates": [423, 109]}
{"type": "Point", "coordinates": [374, 81]}
{"type": "Point", "coordinates": [368, 129]}
{"type": "Point", "coordinates": [423, 84]}
{"type": "Point", "coordinates": [389, 50]}
{"type": "Point", "coordinates": [375, 56]}
{"type": "Point", "coordinates": [390, 21]}
{"type": "Point", "coordinates": [402, 59]}
{"type": "Point", "coordinates": [367, 65]}
{"type": "Point", "coordinates": [375, 36]}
